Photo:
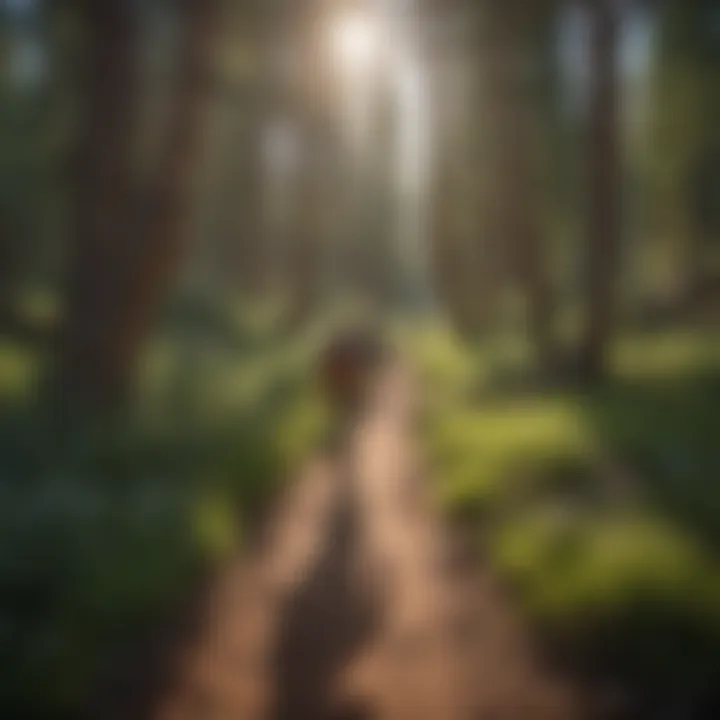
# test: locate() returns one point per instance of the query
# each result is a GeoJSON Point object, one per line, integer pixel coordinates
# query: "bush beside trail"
{"type": "Point", "coordinates": [625, 587]}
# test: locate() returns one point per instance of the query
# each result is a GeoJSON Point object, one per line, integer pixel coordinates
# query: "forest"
{"type": "Point", "coordinates": [359, 359]}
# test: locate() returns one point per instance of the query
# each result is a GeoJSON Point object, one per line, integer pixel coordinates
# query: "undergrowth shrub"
{"type": "Point", "coordinates": [628, 589]}
{"type": "Point", "coordinates": [105, 530]}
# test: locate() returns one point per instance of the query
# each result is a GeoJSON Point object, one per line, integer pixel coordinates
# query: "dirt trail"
{"type": "Point", "coordinates": [360, 604]}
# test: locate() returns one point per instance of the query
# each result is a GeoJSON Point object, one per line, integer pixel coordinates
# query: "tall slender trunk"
{"type": "Point", "coordinates": [445, 261]}
{"type": "Point", "coordinates": [310, 206]}
{"type": "Point", "coordinates": [244, 202]}
{"type": "Point", "coordinates": [604, 206]}
{"type": "Point", "coordinates": [462, 261]}
{"type": "Point", "coordinates": [510, 42]}
{"type": "Point", "coordinates": [241, 215]}
{"type": "Point", "coordinates": [103, 185]}
{"type": "Point", "coordinates": [8, 253]}
{"type": "Point", "coordinates": [157, 248]}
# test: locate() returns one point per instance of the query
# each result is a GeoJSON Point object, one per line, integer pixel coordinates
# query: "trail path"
{"type": "Point", "coordinates": [361, 604]}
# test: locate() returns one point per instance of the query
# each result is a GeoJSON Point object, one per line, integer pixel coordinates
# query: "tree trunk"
{"type": "Point", "coordinates": [452, 274]}
{"type": "Point", "coordinates": [157, 248]}
{"type": "Point", "coordinates": [8, 253]}
{"type": "Point", "coordinates": [240, 218]}
{"type": "Point", "coordinates": [519, 225]}
{"type": "Point", "coordinates": [128, 239]}
{"type": "Point", "coordinates": [604, 206]}
{"type": "Point", "coordinates": [103, 185]}
{"type": "Point", "coordinates": [463, 262]}
{"type": "Point", "coordinates": [309, 231]}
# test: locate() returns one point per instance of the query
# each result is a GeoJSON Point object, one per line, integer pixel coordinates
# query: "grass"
{"type": "Point", "coordinates": [101, 537]}
{"type": "Point", "coordinates": [628, 588]}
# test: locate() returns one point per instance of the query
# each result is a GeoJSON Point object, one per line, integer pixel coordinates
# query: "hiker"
{"type": "Point", "coordinates": [348, 364]}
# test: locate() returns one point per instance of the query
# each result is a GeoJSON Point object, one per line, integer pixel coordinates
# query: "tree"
{"type": "Point", "coordinates": [128, 235]}
{"type": "Point", "coordinates": [103, 188]}
{"type": "Point", "coordinates": [464, 249]}
{"type": "Point", "coordinates": [684, 144]}
{"type": "Point", "coordinates": [603, 190]}
{"type": "Point", "coordinates": [34, 100]}
{"type": "Point", "coordinates": [235, 251]}
{"type": "Point", "coordinates": [511, 57]}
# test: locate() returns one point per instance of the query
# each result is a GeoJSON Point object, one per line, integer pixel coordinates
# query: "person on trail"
{"type": "Point", "coordinates": [348, 364]}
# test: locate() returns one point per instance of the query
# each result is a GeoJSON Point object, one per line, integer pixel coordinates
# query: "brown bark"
{"type": "Point", "coordinates": [242, 210]}
{"type": "Point", "coordinates": [604, 208]}
{"type": "Point", "coordinates": [8, 263]}
{"type": "Point", "coordinates": [306, 253]}
{"type": "Point", "coordinates": [518, 208]}
{"type": "Point", "coordinates": [462, 262]}
{"type": "Point", "coordinates": [155, 251]}
{"type": "Point", "coordinates": [451, 273]}
{"type": "Point", "coordinates": [128, 239]}
{"type": "Point", "coordinates": [241, 216]}
{"type": "Point", "coordinates": [103, 184]}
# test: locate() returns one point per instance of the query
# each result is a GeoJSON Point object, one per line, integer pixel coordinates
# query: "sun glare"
{"type": "Point", "coordinates": [356, 41]}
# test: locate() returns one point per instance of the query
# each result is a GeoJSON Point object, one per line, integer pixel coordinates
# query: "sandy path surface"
{"type": "Point", "coordinates": [360, 603]}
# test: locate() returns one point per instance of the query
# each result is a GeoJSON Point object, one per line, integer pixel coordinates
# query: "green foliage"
{"type": "Point", "coordinates": [17, 370]}
{"type": "Point", "coordinates": [683, 139]}
{"type": "Point", "coordinates": [511, 452]}
{"type": "Point", "coordinates": [663, 421]}
{"type": "Point", "coordinates": [628, 590]}
{"type": "Point", "coordinates": [105, 530]}
{"type": "Point", "coordinates": [627, 586]}
{"type": "Point", "coordinates": [449, 371]}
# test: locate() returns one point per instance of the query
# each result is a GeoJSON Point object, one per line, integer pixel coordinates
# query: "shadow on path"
{"type": "Point", "coordinates": [324, 625]}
